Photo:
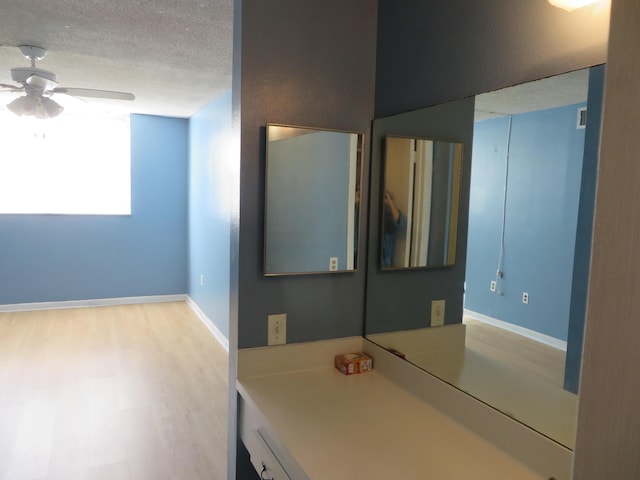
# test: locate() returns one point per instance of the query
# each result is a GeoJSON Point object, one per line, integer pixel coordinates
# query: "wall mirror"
{"type": "Point", "coordinates": [420, 200]}
{"type": "Point", "coordinates": [312, 200]}
{"type": "Point", "coordinates": [516, 296]}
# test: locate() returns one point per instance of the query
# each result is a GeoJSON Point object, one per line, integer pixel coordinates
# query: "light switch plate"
{"type": "Point", "coordinates": [437, 313]}
{"type": "Point", "coordinates": [277, 329]}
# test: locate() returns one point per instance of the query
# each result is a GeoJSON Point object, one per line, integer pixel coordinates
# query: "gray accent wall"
{"type": "Point", "coordinates": [431, 52]}
{"type": "Point", "coordinates": [294, 63]}
{"type": "Point", "coordinates": [306, 64]}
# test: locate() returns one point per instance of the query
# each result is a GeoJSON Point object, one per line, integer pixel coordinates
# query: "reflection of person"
{"type": "Point", "coordinates": [355, 224]}
{"type": "Point", "coordinates": [394, 222]}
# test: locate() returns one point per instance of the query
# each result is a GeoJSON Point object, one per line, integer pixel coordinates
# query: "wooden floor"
{"type": "Point", "coordinates": [127, 392]}
{"type": "Point", "coordinates": [522, 353]}
{"type": "Point", "coordinates": [522, 377]}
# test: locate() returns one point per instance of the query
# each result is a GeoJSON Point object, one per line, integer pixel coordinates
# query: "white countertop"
{"type": "Point", "coordinates": [366, 426]}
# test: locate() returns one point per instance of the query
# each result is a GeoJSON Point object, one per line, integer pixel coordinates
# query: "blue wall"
{"type": "Point", "coordinates": [543, 191]}
{"type": "Point", "coordinates": [209, 204]}
{"type": "Point", "coordinates": [582, 257]}
{"type": "Point", "coordinates": [64, 257]}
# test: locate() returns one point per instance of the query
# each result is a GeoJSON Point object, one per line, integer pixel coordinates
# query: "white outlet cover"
{"type": "Point", "coordinates": [333, 263]}
{"type": "Point", "coordinates": [437, 313]}
{"type": "Point", "coordinates": [277, 329]}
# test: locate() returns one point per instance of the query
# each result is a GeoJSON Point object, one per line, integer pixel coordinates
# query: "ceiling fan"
{"type": "Point", "coordinates": [39, 85]}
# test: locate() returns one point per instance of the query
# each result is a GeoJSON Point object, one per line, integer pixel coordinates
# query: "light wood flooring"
{"type": "Point", "coordinates": [519, 376]}
{"type": "Point", "coordinates": [120, 393]}
{"type": "Point", "coordinates": [522, 353]}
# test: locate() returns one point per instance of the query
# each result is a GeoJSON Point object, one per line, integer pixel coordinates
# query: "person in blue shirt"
{"type": "Point", "coordinates": [394, 223]}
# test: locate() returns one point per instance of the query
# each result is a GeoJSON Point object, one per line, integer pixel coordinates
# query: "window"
{"type": "Point", "coordinates": [76, 163]}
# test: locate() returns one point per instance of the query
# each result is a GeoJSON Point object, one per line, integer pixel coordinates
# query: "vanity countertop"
{"type": "Point", "coordinates": [366, 426]}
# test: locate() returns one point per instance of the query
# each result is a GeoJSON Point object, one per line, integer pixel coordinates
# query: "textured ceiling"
{"type": "Point", "coordinates": [174, 55]}
{"type": "Point", "coordinates": [566, 89]}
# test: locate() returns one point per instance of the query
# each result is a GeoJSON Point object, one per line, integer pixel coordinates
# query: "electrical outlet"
{"type": "Point", "coordinates": [437, 313]}
{"type": "Point", "coordinates": [333, 263]}
{"type": "Point", "coordinates": [525, 297]}
{"type": "Point", "coordinates": [277, 329]}
{"type": "Point", "coordinates": [492, 288]}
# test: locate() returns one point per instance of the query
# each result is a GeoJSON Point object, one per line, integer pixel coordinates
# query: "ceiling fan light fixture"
{"type": "Point", "coordinates": [570, 5]}
{"type": "Point", "coordinates": [39, 85]}
{"type": "Point", "coordinates": [50, 108]}
{"type": "Point", "coordinates": [33, 106]}
{"type": "Point", "coordinates": [23, 106]}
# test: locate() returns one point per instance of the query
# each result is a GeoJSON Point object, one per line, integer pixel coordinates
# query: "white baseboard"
{"type": "Point", "coordinates": [222, 340]}
{"type": "Point", "coordinates": [107, 302]}
{"type": "Point", "coordinates": [98, 302]}
{"type": "Point", "coordinates": [525, 332]}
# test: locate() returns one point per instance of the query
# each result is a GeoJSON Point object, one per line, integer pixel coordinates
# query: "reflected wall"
{"type": "Point", "coordinates": [401, 299]}
{"type": "Point", "coordinates": [312, 200]}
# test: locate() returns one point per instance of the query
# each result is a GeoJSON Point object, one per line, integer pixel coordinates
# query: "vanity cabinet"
{"type": "Point", "coordinates": [303, 419]}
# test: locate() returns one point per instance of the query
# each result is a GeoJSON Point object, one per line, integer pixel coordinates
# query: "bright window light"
{"type": "Point", "coordinates": [76, 163]}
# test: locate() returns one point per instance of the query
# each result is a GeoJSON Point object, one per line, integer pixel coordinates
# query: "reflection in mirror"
{"type": "Point", "coordinates": [421, 196]}
{"type": "Point", "coordinates": [516, 343]}
{"type": "Point", "coordinates": [312, 200]}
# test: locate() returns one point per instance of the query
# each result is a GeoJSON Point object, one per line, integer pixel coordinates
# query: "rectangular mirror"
{"type": "Point", "coordinates": [312, 200]}
{"type": "Point", "coordinates": [516, 297]}
{"type": "Point", "coordinates": [421, 197]}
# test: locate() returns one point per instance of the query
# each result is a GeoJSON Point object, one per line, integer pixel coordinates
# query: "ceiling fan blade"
{"type": "Point", "coordinates": [89, 92]}
{"type": "Point", "coordinates": [41, 83]}
{"type": "Point", "coordinates": [11, 88]}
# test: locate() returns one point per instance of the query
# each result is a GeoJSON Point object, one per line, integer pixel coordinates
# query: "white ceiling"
{"type": "Point", "coordinates": [560, 90]}
{"type": "Point", "coordinates": [174, 55]}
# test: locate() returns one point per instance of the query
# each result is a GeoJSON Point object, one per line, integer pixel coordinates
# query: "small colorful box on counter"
{"type": "Point", "coordinates": [350, 363]}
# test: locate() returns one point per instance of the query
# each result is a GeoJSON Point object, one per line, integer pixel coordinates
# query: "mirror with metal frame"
{"type": "Point", "coordinates": [421, 198]}
{"type": "Point", "coordinates": [311, 200]}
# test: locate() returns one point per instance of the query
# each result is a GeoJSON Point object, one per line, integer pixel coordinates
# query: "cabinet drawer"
{"type": "Point", "coordinates": [256, 439]}
{"type": "Point", "coordinates": [264, 460]}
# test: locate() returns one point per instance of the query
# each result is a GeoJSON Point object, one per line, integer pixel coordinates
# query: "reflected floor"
{"type": "Point", "coordinates": [519, 376]}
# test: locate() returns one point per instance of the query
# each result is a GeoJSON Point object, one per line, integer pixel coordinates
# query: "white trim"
{"type": "Point", "coordinates": [351, 200]}
{"type": "Point", "coordinates": [222, 340]}
{"type": "Point", "coordinates": [525, 332]}
{"type": "Point", "coordinates": [98, 302]}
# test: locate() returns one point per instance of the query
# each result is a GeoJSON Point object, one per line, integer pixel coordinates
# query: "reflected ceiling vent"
{"type": "Point", "coordinates": [582, 118]}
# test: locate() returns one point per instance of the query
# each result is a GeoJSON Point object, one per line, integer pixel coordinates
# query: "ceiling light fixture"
{"type": "Point", "coordinates": [35, 106]}
{"type": "Point", "coordinates": [570, 5]}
